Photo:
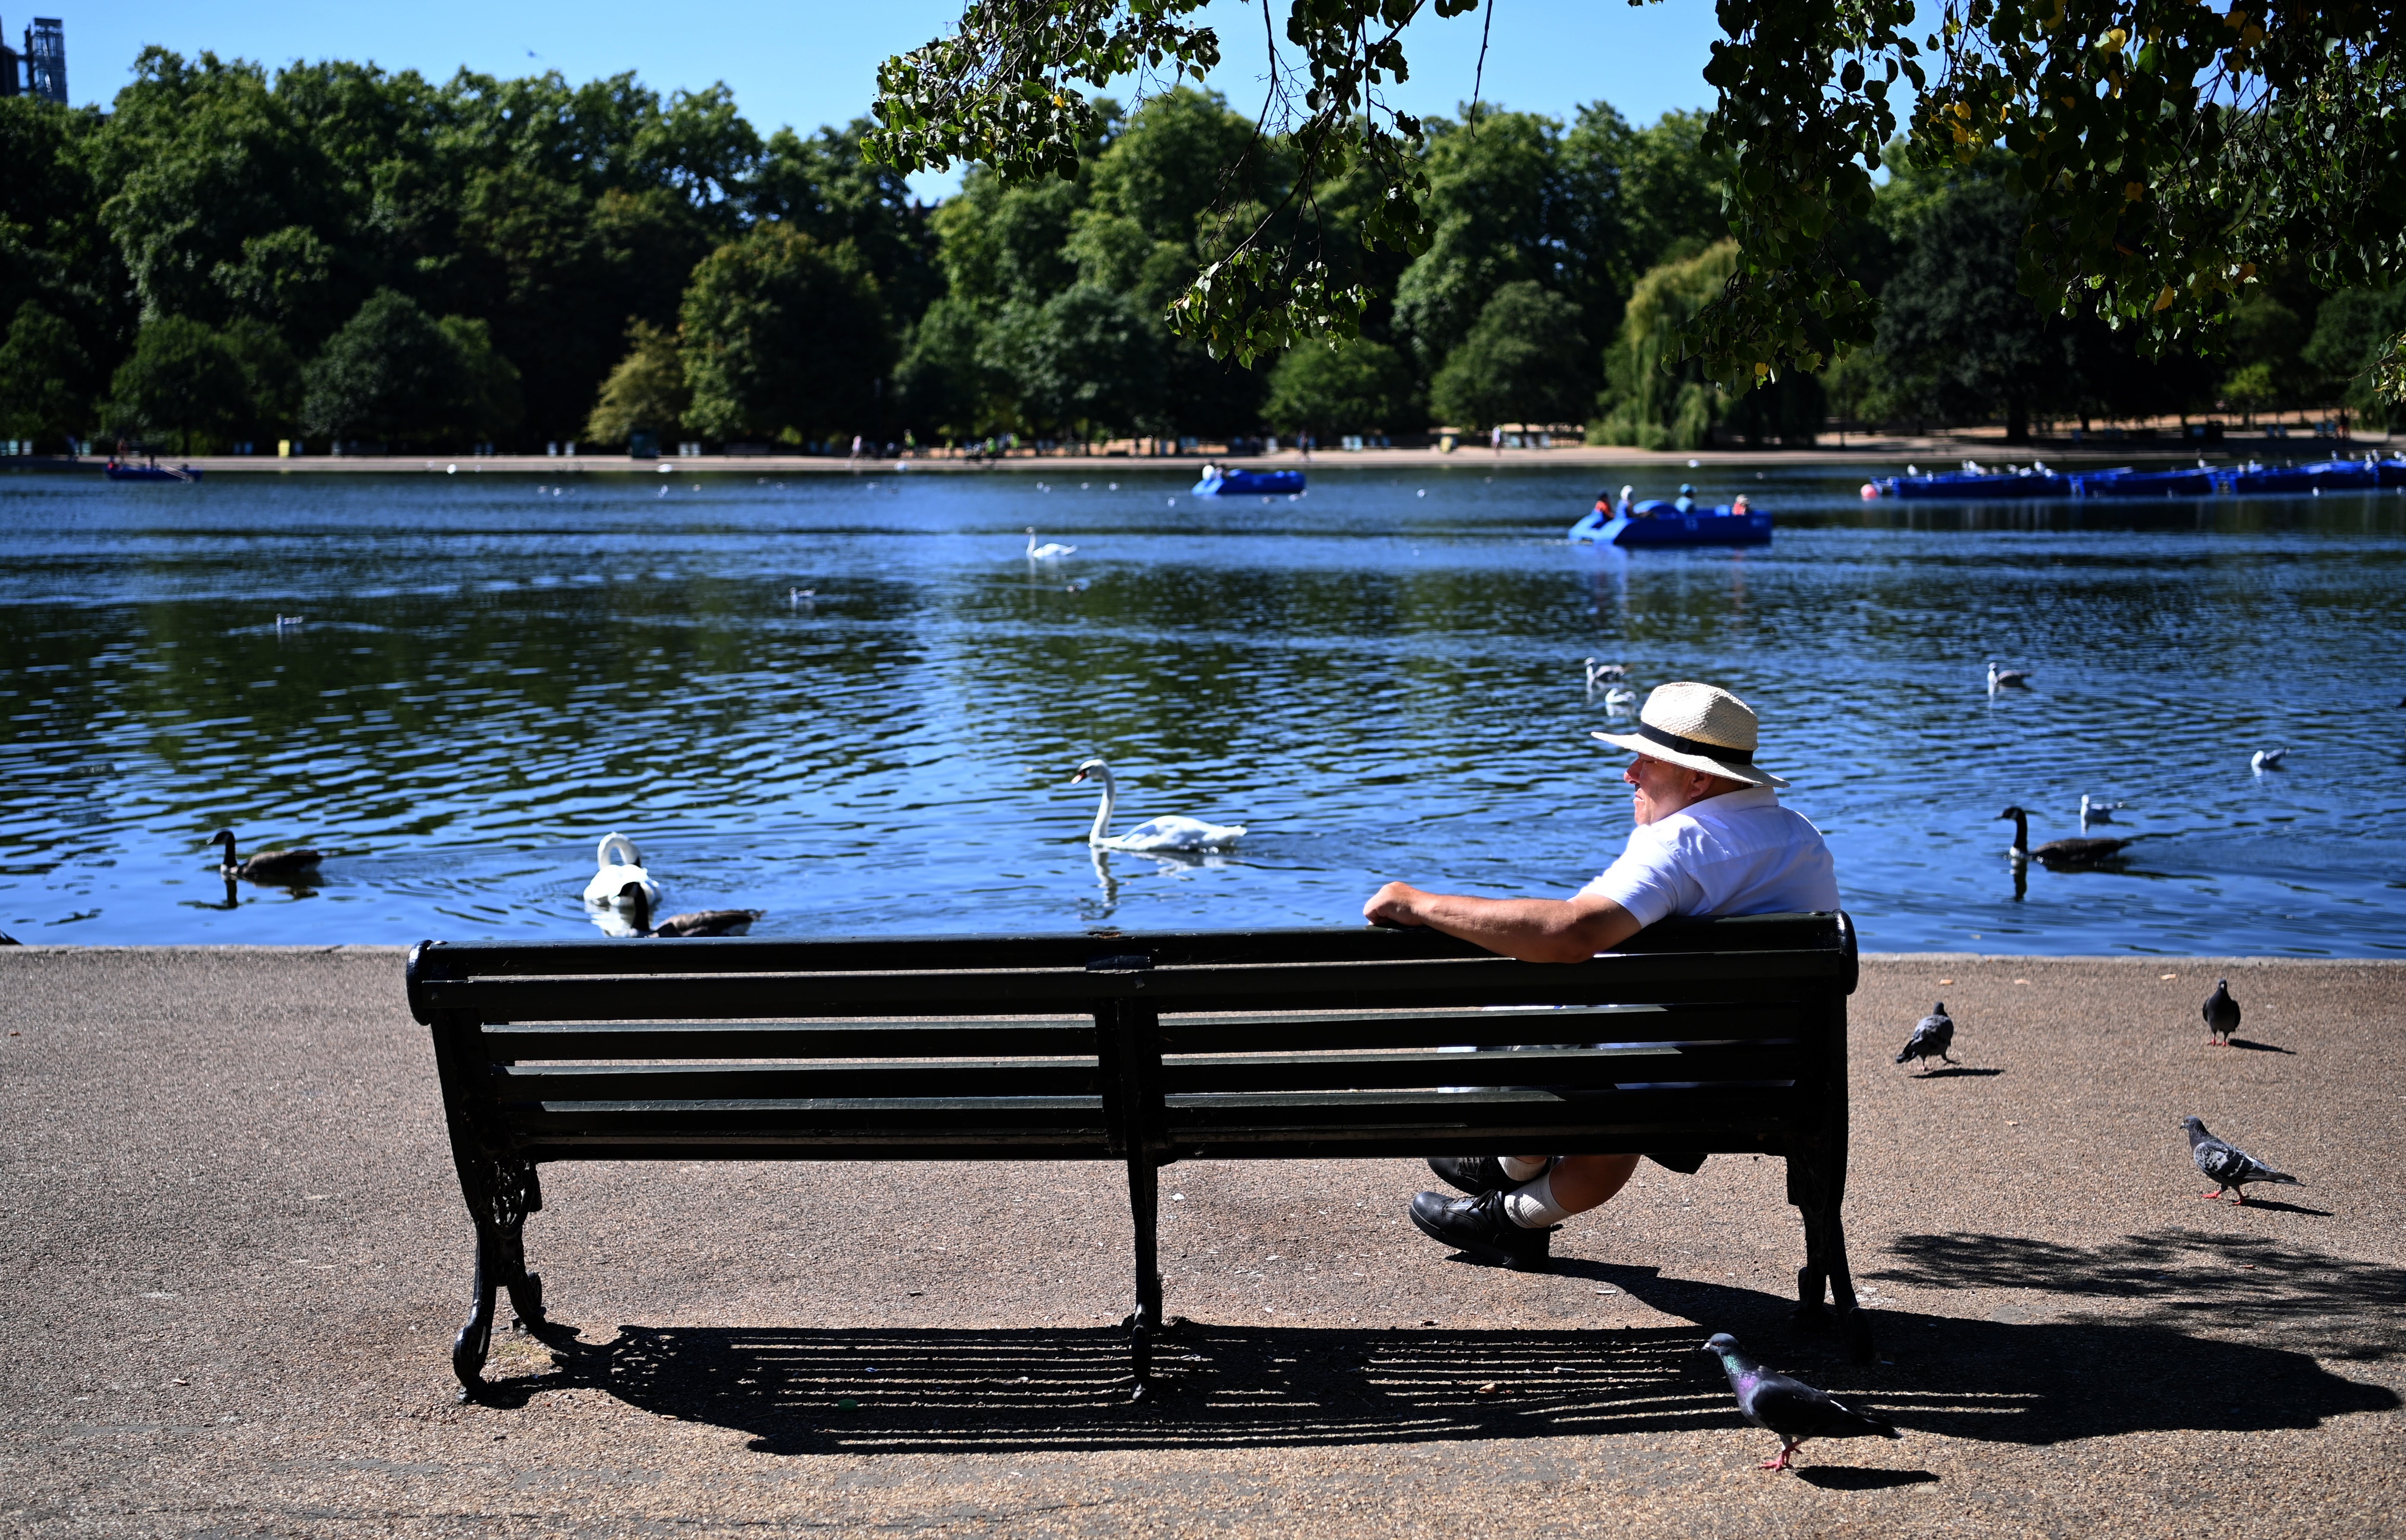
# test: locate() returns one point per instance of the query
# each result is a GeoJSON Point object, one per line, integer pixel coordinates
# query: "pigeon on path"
{"type": "Point", "coordinates": [2228, 1167]}
{"type": "Point", "coordinates": [1933, 1034]}
{"type": "Point", "coordinates": [1789, 1407]}
{"type": "Point", "coordinates": [2221, 1014]}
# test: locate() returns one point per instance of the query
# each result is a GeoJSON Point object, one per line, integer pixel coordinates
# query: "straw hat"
{"type": "Point", "coordinates": [1700, 727]}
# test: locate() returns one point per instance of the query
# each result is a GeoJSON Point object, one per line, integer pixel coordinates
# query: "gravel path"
{"type": "Point", "coordinates": [234, 1253]}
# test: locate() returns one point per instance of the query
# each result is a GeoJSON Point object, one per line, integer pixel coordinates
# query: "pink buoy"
{"type": "Point", "coordinates": [1871, 490]}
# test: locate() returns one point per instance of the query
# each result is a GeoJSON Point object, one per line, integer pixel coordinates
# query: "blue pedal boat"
{"type": "Point", "coordinates": [2194, 482]}
{"type": "Point", "coordinates": [1997, 486]}
{"type": "Point", "coordinates": [1657, 523]}
{"type": "Point", "coordinates": [1251, 484]}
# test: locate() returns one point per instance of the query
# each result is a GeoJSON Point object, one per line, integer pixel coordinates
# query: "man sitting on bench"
{"type": "Point", "coordinates": [1711, 839]}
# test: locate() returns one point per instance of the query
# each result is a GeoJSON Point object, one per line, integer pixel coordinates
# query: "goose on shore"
{"type": "Point", "coordinates": [1051, 550]}
{"type": "Point", "coordinates": [2059, 853]}
{"type": "Point", "coordinates": [2007, 678]}
{"type": "Point", "coordinates": [618, 862]}
{"type": "Point", "coordinates": [700, 922]}
{"type": "Point", "coordinates": [1170, 833]}
{"type": "Point", "coordinates": [267, 866]}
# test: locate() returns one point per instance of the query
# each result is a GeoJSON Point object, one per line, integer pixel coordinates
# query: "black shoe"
{"type": "Point", "coordinates": [1472, 1173]}
{"type": "Point", "coordinates": [1481, 1227]}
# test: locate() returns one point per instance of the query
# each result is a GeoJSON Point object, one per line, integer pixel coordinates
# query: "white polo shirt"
{"type": "Point", "coordinates": [1740, 853]}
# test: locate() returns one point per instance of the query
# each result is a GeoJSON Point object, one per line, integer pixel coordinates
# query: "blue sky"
{"type": "Point", "coordinates": [812, 64]}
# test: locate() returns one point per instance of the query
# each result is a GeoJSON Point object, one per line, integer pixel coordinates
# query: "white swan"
{"type": "Point", "coordinates": [1620, 698]}
{"type": "Point", "coordinates": [1171, 833]}
{"type": "Point", "coordinates": [606, 890]}
{"type": "Point", "coordinates": [1050, 551]}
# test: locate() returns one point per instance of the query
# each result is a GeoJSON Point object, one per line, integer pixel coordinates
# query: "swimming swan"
{"type": "Point", "coordinates": [1171, 833]}
{"type": "Point", "coordinates": [608, 888]}
{"type": "Point", "coordinates": [1050, 551]}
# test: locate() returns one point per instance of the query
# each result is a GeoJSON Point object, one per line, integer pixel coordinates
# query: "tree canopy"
{"type": "Point", "coordinates": [2166, 153]}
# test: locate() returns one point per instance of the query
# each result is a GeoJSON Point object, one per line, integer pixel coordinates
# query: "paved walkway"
{"type": "Point", "coordinates": [234, 1255]}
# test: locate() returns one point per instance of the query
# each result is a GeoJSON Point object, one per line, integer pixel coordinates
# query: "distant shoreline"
{"type": "Point", "coordinates": [1940, 450]}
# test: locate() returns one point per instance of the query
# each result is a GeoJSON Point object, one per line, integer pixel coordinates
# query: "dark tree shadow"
{"type": "Point", "coordinates": [806, 1389]}
{"type": "Point", "coordinates": [1859, 1477]}
{"type": "Point", "coordinates": [2254, 1047]}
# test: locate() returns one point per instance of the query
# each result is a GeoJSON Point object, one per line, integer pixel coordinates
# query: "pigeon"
{"type": "Point", "coordinates": [1789, 1407]}
{"type": "Point", "coordinates": [2264, 759]}
{"type": "Point", "coordinates": [2231, 1169]}
{"type": "Point", "coordinates": [2007, 678]}
{"type": "Point", "coordinates": [1933, 1034]}
{"type": "Point", "coordinates": [2221, 1014]}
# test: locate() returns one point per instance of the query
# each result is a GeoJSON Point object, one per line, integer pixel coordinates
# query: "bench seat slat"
{"type": "Point", "coordinates": [1580, 1066]}
{"type": "Point", "coordinates": [1352, 1029]}
{"type": "Point", "coordinates": [756, 1082]}
{"type": "Point", "coordinates": [815, 1040]}
{"type": "Point", "coordinates": [1178, 949]}
{"type": "Point", "coordinates": [1735, 978]}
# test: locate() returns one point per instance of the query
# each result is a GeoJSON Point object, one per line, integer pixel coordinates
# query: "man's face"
{"type": "Point", "coordinates": [1663, 788]}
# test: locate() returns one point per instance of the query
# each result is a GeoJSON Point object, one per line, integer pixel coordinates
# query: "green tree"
{"type": "Point", "coordinates": [397, 375]}
{"type": "Point", "coordinates": [39, 364]}
{"type": "Point", "coordinates": [647, 390]}
{"type": "Point", "coordinates": [1653, 397]}
{"type": "Point", "coordinates": [1523, 361]}
{"type": "Point", "coordinates": [2354, 330]}
{"type": "Point", "coordinates": [271, 379]}
{"type": "Point", "coordinates": [1085, 361]}
{"type": "Point", "coordinates": [784, 337]}
{"type": "Point", "coordinates": [2167, 151]}
{"type": "Point", "coordinates": [182, 379]}
{"type": "Point", "coordinates": [1331, 388]}
{"type": "Point", "coordinates": [1494, 202]}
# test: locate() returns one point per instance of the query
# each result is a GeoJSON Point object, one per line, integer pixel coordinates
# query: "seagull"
{"type": "Point", "coordinates": [800, 596]}
{"type": "Point", "coordinates": [2229, 1167]}
{"type": "Point", "coordinates": [1051, 550]}
{"type": "Point", "coordinates": [1603, 673]}
{"type": "Point", "coordinates": [291, 622]}
{"type": "Point", "coordinates": [2221, 1014]}
{"type": "Point", "coordinates": [2007, 678]}
{"type": "Point", "coordinates": [2096, 810]}
{"type": "Point", "coordinates": [267, 866]}
{"type": "Point", "coordinates": [1933, 1034]}
{"type": "Point", "coordinates": [1789, 1407]}
{"type": "Point", "coordinates": [2059, 853]}
{"type": "Point", "coordinates": [700, 921]}
{"type": "Point", "coordinates": [2264, 759]}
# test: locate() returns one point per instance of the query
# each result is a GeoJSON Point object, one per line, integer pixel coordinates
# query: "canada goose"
{"type": "Point", "coordinates": [267, 866]}
{"type": "Point", "coordinates": [700, 922]}
{"type": "Point", "coordinates": [2059, 853]}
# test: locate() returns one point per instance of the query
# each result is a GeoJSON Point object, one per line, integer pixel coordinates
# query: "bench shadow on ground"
{"type": "Point", "coordinates": [2145, 1367]}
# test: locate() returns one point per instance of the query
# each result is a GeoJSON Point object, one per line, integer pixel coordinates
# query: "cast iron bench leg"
{"type": "Point", "coordinates": [1144, 1324]}
{"type": "Point", "coordinates": [501, 1194]}
{"type": "Point", "coordinates": [1817, 1186]}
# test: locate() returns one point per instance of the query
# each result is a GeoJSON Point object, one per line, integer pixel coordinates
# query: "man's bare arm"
{"type": "Point", "coordinates": [1536, 930]}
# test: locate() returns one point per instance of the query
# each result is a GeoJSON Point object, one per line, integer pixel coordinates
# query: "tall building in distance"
{"type": "Point", "coordinates": [41, 68]}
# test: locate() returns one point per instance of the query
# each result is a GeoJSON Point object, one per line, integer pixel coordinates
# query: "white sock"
{"type": "Point", "coordinates": [1532, 1206]}
{"type": "Point", "coordinates": [1524, 1170]}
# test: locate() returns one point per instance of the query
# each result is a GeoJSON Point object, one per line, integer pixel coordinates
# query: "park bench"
{"type": "Point", "coordinates": [1697, 1035]}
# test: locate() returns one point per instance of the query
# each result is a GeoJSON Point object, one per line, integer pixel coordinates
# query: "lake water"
{"type": "Point", "coordinates": [1380, 680]}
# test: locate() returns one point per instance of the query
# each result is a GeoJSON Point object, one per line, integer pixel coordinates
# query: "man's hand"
{"type": "Point", "coordinates": [1536, 930]}
{"type": "Point", "coordinates": [1393, 905]}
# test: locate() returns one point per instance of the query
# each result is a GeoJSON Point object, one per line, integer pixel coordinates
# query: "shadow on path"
{"type": "Point", "coordinates": [1253, 1386]}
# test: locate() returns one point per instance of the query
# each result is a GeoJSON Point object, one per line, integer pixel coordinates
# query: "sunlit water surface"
{"type": "Point", "coordinates": [1380, 680]}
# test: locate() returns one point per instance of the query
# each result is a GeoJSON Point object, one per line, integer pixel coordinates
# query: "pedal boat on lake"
{"type": "Point", "coordinates": [1655, 522]}
{"type": "Point", "coordinates": [1233, 482]}
{"type": "Point", "coordinates": [116, 471]}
